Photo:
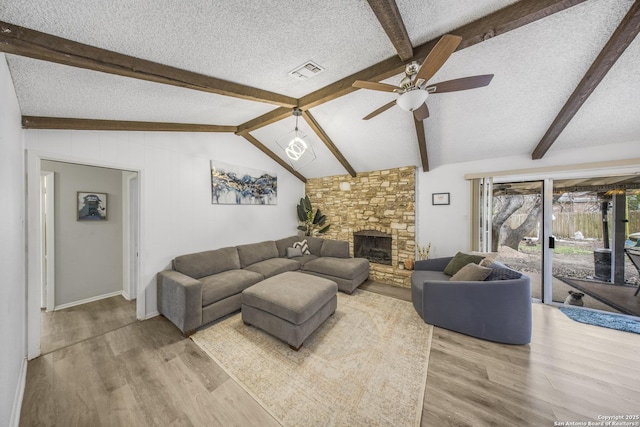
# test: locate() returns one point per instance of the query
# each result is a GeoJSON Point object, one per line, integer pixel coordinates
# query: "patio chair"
{"type": "Point", "coordinates": [634, 256]}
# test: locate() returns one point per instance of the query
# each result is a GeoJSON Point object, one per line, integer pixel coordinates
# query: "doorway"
{"type": "Point", "coordinates": [514, 227]}
{"type": "Point", "coordinates": [583, 239]}
{"type": "Point", "coordinates": [596, 221]}
{"type": "Point", "coordinates": [37, 241]}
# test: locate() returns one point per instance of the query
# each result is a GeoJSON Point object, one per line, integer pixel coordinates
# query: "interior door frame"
{"type": "Point", "coordinates": [34, 240]}
{"type": "Point", "coordinates": [131, 235]}
{"type": "Point", "coordinates": [47, 213]}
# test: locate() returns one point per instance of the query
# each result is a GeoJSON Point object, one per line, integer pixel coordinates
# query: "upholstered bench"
{"type": "Point", "coordinates": [290, 305]}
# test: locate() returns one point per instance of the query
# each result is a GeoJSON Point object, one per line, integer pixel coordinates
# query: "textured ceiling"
{"type": "Point", "coordinates": [256, 43]}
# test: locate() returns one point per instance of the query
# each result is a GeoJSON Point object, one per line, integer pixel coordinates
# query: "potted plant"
{"type": "Point", "coordinates": [310, 222]}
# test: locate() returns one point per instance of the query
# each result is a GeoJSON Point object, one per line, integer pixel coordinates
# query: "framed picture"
{"type": "Point", "coordinates": [92, 206]}
{"type": "Point", "coordinates": [238, 185]}
{"type": "Point", "coordinates": [440, 198]}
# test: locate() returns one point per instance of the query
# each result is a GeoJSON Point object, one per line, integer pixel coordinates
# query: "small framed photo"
{"type": "Point", "coordinates": [440, 198]}
{"type": "Point", "coordinates": [92, 206]}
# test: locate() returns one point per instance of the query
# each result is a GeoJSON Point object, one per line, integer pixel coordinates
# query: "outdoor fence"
{"type": "Point", "coordinates": [589, 224]}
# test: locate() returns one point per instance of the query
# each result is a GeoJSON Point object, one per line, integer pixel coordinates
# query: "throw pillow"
{"type": "Point", "coordinates": [459, 261]}
{"type": "Point", "coordinates": [489, 257]}
{"type": "Point", "coordinates": [294, 252]}
{"type": "Point", "coordinates": [471, 272]}
{"type": "Point", "coordinates": [303, 246]}
{"type": "Point", "coordinates": [502, 273]}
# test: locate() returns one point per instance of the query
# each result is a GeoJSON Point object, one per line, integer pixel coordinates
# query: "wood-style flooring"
{"type": "Point", "coordinates": [147, 374]}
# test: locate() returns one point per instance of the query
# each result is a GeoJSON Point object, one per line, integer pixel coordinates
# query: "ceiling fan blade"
{"type": "Point", "coordinates": [460, 84]}
{"type": "Point", "coordinates": [438, 56]}
{"type": "Point", "coordinates": [382, 109]}
{"type": "Point", "coordinates": [363, 84]}
{"type": "Point", "coordinates": [421, 113]}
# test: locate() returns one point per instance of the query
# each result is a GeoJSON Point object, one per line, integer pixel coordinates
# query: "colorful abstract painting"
{"type": "Point", "coordinates": [237, 185]}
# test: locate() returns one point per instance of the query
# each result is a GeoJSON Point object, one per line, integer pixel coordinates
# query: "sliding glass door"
{"type": "Point", "coordinates": [510, 223]}
{"type": "Point", "coordinates": [596, 224]}
{"type": "Point", "coordinates": [576, 238]}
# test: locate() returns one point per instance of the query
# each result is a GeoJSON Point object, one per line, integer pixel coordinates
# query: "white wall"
{"type": "Point", "coordinates": [88, 254]}
{"type": "Point", "coordinates": [448, 227]}
{"type": "Point", "coordinates": [177, 216]}
{"type": "Point", "coordinates": [12, 253]}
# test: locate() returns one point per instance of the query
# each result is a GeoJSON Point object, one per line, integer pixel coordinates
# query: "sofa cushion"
{"type": "Point", "coordinates": [305, 259]}
{"type": "Point", "coordinates": [225, 284]}
{"type": "Point", "coordinates": [273, 266]}
{"type": "Point", "coordinates": [283, 244]}
{"type": "Point", "coordinates": [346, 268]}
{"type": "Point", "coordinates": [335, 248]}
{"type": "Point", "coordinates": [204, 264]}
{"type": "Point", "coordinates": [471, 273]}
{"type": "Point", "coordinates": [256, 252]}
{"type": "Point", "coordinates": [420, 276]}
{"type": "Point", "coordinates": [315, 245]}
{"type": "Point", "coordinates": [294, 252]}
{"type": "Point", "coordinates": [459, 261]}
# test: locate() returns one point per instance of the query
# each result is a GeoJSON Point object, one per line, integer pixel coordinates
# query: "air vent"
{"type": "Point", "coordinates": [306, 70]}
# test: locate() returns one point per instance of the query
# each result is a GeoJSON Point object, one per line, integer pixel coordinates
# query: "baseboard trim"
{"type": "Point", "coordinates": [17, 399]}
{"type": "Point", "coordinates": [151, 315]}
{"type": "Point", "coordinates": [86, 300]}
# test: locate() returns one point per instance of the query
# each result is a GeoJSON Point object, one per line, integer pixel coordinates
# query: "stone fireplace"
{"type": "Point", "coordinates": [373, 245]}
{"type": "Point", "coordinates": [368, 209]}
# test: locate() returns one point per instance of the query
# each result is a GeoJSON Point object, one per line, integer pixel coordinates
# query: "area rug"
{"type": "Point", "coordinates": [605, 320]}
{"type": "Point", "coordinates": [366, 365]}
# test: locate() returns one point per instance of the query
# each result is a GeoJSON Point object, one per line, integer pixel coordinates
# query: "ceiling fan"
{"type": "Point", "coordinates": [413, 89]}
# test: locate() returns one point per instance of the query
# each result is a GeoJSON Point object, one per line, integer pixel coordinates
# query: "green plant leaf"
{"type": "Point", "coordinates": [324, 230]}
{"type": "Point", "coordinates": [321, 220]}
{"type": "Point", "coordinates": [307, 203]}
{"type": "Point", "coordinates": [302, 227]}
{"type": "Point", "coordinates": [301, 214]}
{"type": "Point", "coordinates": [317, 216]}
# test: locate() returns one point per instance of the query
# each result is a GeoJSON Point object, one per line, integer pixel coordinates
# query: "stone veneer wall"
{"type": "Point", "coordinates": [380, 200]}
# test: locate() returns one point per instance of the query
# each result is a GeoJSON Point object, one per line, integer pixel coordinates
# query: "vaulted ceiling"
{"type": "Point", "coordinates": [566, 74]}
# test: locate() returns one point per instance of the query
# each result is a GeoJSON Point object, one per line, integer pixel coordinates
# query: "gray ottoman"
{"type": "Point", "coordinates": [289, 306]}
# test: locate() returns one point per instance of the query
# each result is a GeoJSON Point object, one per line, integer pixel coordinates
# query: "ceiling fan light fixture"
{"type": "Point", "coordinates": [412, 100]}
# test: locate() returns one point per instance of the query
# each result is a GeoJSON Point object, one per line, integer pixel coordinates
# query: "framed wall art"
{"type": "Point", "coordinates": [238, 185]}
{"type": "Point", "coordinates": [92, 206]}
{"type": "Point", "coordinates": [440, 199]}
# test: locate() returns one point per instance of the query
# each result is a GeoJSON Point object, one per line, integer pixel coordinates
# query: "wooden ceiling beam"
{"type": "Point", "coordinates": [622, 37]}
{"type": "Point", "coordinates": [34, 44]}
{"type": "Point", "coordinates": [311, 121]}
{"type": "Point", "coordinates": [265, 119]}
{"type": "Point", "coordinates": [389, 16]}
{"type": "Point", "coordinates": [32, 122]}
{"type": "Point", "coordinates": [500, 22]}
{"type": "Point", "coordinates": [272, 155]}
{"type": "Point", "coordinates": [422, 144]}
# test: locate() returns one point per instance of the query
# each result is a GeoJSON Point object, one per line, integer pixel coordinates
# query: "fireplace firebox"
{"type": "Point", "coordinates": [372, 245]}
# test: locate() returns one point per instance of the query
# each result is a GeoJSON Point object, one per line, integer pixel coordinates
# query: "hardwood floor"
{"type": "Point", "coordinates": [147, 374]}
{"type": "Point", "coordinates": [74, 324]}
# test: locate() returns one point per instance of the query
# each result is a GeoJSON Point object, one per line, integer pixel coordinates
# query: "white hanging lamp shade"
{"type": "Point", "coordinates": [412, 100]}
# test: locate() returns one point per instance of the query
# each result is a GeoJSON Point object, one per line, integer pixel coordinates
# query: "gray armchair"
{"type": "Point", "coordinates": [494, 310]}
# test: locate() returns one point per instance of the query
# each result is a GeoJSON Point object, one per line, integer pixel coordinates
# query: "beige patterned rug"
{"type": "Point", "coordinates": [366, 365]}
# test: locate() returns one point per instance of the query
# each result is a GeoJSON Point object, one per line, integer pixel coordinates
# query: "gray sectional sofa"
{"type": "Point", "coordinates": [205, 286]}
